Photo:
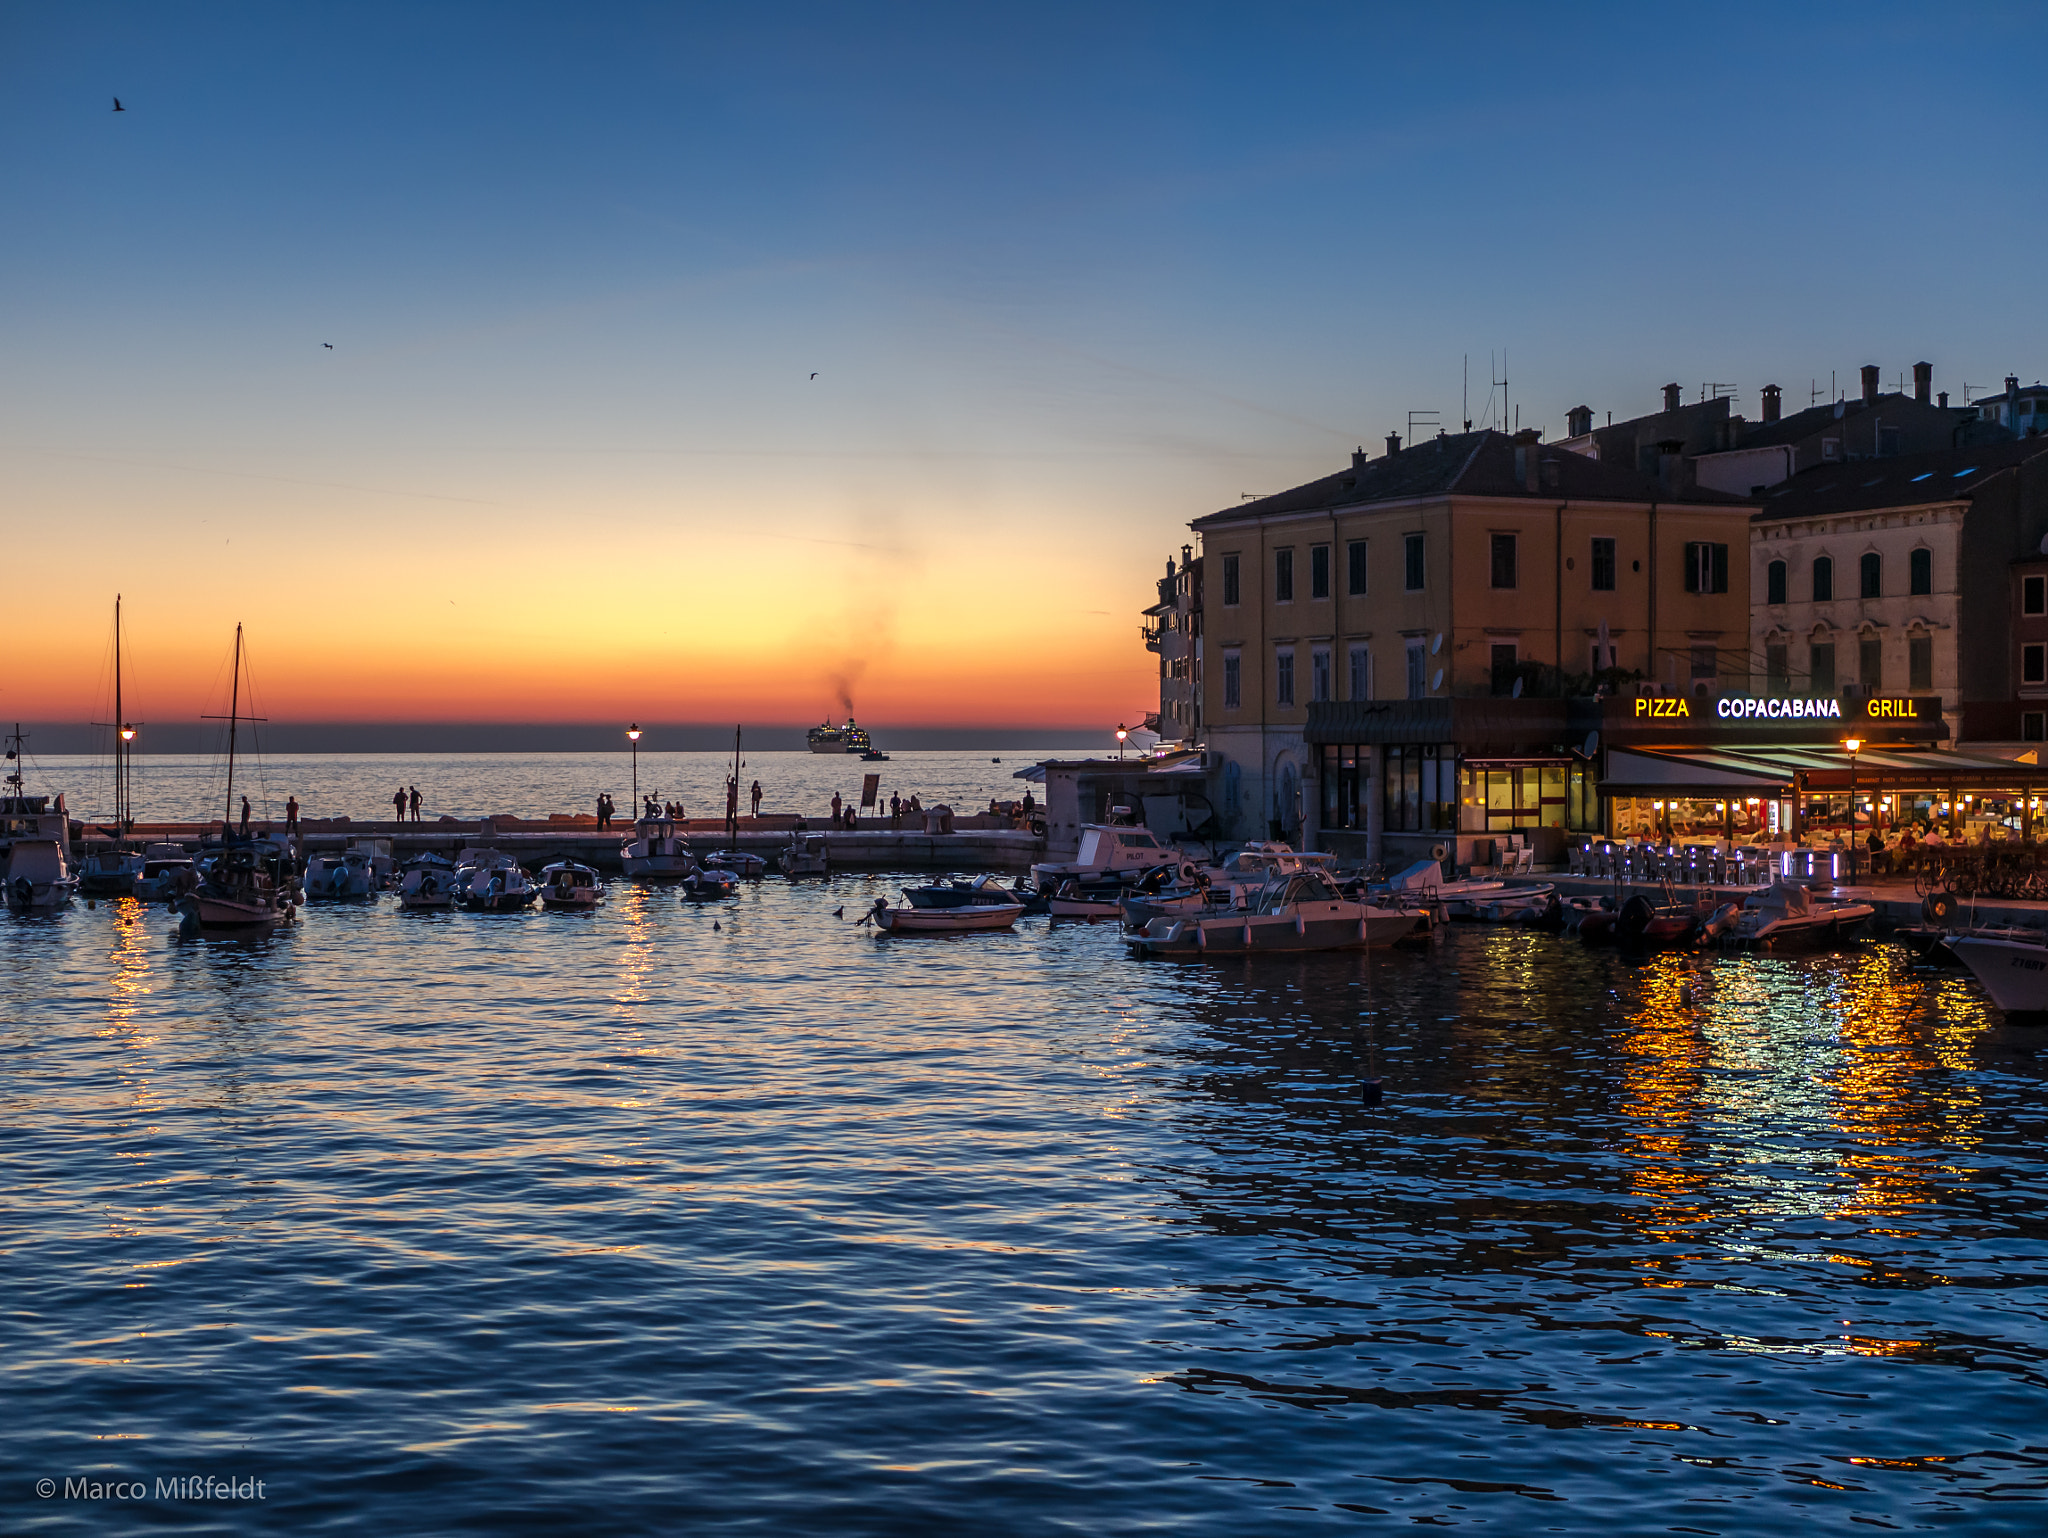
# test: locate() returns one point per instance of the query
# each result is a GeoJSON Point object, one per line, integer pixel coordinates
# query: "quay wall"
{"type": "Point", "coordinates": [1897, 904]}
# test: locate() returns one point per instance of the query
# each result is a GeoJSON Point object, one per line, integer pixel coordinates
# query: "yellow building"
{"type": "Point", "coordinates": [1389, 652]}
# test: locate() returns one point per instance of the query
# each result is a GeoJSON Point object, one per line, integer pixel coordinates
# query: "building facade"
{"type": "Point", "coordinates": [1355, 626]}
{"type": "Point", "coordinates": [1172, 630]}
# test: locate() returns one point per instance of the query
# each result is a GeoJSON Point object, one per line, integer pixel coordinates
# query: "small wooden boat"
{"type": "Point", "coordinates": [566, 884]}
{"type": "Point", "coordinates": [1785, 916]}
{"type": "Point", "coordinates": [709, 886]}
{"type": "Point", "coordinates": [967, 918]}
{"type": "Point", "coordinates": [1646, 925]}
{"type": "Point", "coordinates": [748, 867]}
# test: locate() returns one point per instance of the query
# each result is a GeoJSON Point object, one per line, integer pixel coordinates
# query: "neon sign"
{"type": "Point", "coordinates": [1796, 708]}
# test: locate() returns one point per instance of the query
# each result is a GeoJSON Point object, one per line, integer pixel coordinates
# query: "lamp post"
{"type": "Point", "coordinates": [1854, 745]}
{"type": "Point", "coordinates": [633, 736]}
{"type": "Point", "coordinates": [1122, 732]}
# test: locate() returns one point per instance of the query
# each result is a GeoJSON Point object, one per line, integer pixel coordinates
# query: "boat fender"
{"type": "Point", "coordinates": [1361, 928]}
{"type": "Point", "coordinates": [1371, 1092]}
{"type": "Point", "coordinates": [24, 891]}
{"type": "Point", "coordinates": [1247, 937]}
{"type": "Point", "coordinates": [1201, 938]}
{"type": "Point", "coordinates": [1300, 924]}
{"type": "Point", "coordinates": [1938, 908]}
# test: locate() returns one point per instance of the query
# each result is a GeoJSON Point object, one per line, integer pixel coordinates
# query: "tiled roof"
{"type": "Point", "coordinates": [1802, 425]}
{"type": "Point", "coordinates": [1911, 480]}
{"type": "Point", "coordinates": [1480, 464]}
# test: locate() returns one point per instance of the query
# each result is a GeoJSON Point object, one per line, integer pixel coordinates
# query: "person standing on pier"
{"type": "Point", "coordinates": [398, 803]}
{"type": "Point", "coordinates": [415, 803]}
{"type": "Point", "coordinates": [245, 817]}
{"type": "Point", "coordinates": [835, 809]}
{"type": "Point", "coordinates": [756, 794]}
{"type": "Point", "coordinates": [291, 817]}
{"type": "Point", "coordinates": [604, 811]}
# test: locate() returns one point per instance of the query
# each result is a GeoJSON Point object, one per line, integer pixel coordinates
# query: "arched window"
{"type": "Point", "coordinates": [1920, 568]}
{"type": "Point", "coordinates": [1823, 579]}
{"type": "Point", "coordinates": [1870, 571]}
{"type": "Point", "coordinates": [1774, 582]}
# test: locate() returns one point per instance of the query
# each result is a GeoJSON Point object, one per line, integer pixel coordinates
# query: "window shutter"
{"type": "Point", "coordinates": [1692, 568]}
{"type": "Point", "coordinates": [1720, 568]}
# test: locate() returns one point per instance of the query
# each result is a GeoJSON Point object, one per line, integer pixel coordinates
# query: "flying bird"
{"type": "Point", "coordinates": [117, 105]}
{"type": "Point", "coordinates": [328, 345]}
{"type": "Point", "coordinates": [814, 374]}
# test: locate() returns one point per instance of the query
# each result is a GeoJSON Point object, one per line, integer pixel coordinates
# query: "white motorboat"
{"type": "Point", "coordinates": [1250, 869]}
{"type": "Point", "coordinates": [966, 918]}
{"type": "Point", "coordinates": [377, 852]}
{"type": "Point", "coordinates": [657, 851]}
{"type": "Point", "coordinates": [749, 867]}
{"type": "Point", "coordinates": [1424, 882]}
{"type": "Point", "coordinates": [347, 877]}
{"type": "Point", "coordinates": [167, 873]}
{"type": "Point", "coordinates": [38, 878]}
{"type": "Point", "coordinates": [2013, 971]}
{"type": "Point", "coordinates": [565, 884]}
{"type": "Point", "coordinates": [1786, 916]}
{"type": "Point", "coordinates": [110, 872]}
{"type": "Point", "coordinates": [709, 886]}
{"type": "Point", "coordinates": [1510, 905]}
{"type": "Point", "coordinates": [804, 856]}
{"type": "Point", "coordinates": [428, 882]}
{"type": "Point", "coordinates": [1109, 852]}
{"type": "Point", "coordinates": [500, 885]}
{"type": "Point", "coordinates": [1301, 912]}
{"type": "Point", "coordinates": [1140, 909]}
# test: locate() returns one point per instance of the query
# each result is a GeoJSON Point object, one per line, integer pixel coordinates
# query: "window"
{"type": "Point", "coordinates": [2034, 595]}
{"type": "Point", "coordinates": [1777, 668]}
{"type": "Point", "coordinates": [1419, 792]}
{"type": "Point", "coordinates": [1230, 594]}
{"type": "Point", "coordinates": [1283, 675]}
{"type": "Point", "coordinates": [1233, 678]}
{"type": "Point", "coordinates": [2034, 664]}
{"type": "Point", "coordinates": [1920, 662]}
{"type": "Point", "coordinates": [1704, 662]}
{"type": "Point", "coordinates": [1823, 579]}
{"type": "Point", "coordinates": [1354, 559]}
{"type": "Point", "coordinates": [1345, 780]}
{"type": "Point", "coordinates": [1888, 442]}
{"type": "Point", "coordinates": [1319, 673]}
{"type": "Point", "coordinates": [1503, 560]}
{"type": "Point", "coordinates": [1820, 668]}
{"type": "Point", "coordinates": [1283, 576]}
{"type": "Point", "coordinates": [1411, 550]}
{"type": "Point", "coordinates": [1870, 574]}
{"type": "Point", "coordinates": [1361, 672]}
{"type": "Point", "coordinates": [1319, 571]}
{"type": "Point", "coordinates": [1870, 664]}
{"type": "Point", "coordinates": [1706, 567]}
{"type": "Point", "coordinates": [1416, 663]}
{"type": "Point", "coordinates": [1774, 582]}
{"type": "Point", "coordinates": [1603, 565]}
{"type": "Point", "coordinates": [1920, 571]}
{"type": "Point", "coordinates": [1831, 448]}
{"type": "Point", "coordinates": [1503, 667]}
{"type": "Point", "coordinates": [2032, 726]}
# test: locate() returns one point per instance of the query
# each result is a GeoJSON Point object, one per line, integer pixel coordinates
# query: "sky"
{"type": "Point", "coordinates": [698, 364]}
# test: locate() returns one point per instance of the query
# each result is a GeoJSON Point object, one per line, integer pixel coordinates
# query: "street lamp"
{"type": "Point", "coordinates": [127, 732]}
{"type": "Point", "coordinates": [1854, 745]}
{"type": "Point", "coordinates": [1122, 732]}
{"type": "Point", "coordinates": [633, 736]}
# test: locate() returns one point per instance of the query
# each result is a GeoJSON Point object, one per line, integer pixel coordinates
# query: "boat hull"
{"type": "Point", "coordinates": [1277, 934]}
{"type": "Point", "coordinates": [972, 919]}
{"type": "Point", "coordinates": [2013, 972]}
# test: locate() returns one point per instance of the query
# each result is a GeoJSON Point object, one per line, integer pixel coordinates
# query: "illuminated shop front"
{"type": "Point", "coordinates": [1783, 770]}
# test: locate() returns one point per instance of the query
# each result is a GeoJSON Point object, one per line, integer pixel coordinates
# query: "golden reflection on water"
{"type": "Point", "coordinates": [1663, 1072]}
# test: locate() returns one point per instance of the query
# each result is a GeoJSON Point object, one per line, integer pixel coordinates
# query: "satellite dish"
{"type": "Point", "coordinates": [1592, 743]}
{"type": "Point", "coordinates": [1516, 692]}
{"type": "Point", "coordinates": [1437, 645]}
{"type": "Point", "coordinates": [2044, 544]}
{"type": "Point", "coordinates": [1437, 682]}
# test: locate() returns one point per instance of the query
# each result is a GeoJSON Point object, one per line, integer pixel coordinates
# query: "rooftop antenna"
{"type": "Point", "coordinates": [1503, 382]}
{"type": "Point", "coordinates": [1710, 391]}
{"type": "Point", "coordinates": [1465, 394]}
{"type": "Point", "coordinates": [1427, 419]}
{"type": "Point", "coordinates": [1813, 394]}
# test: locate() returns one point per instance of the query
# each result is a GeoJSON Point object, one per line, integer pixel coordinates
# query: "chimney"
{"type": "Point", "coordinates": [1870, 384]}
{"type": "Point", "coordinates": [1670, 464]}
{"type": "Point", "coordinates": [1526, 456]}
{"type": "Point", "coordinates": [1671, 394]}
{"type": "Point", "coordinates": [1578, 421]}
{"type": "Point", "coordinates": [1358, 458]}
{"type": "Point", "coordinates": [1771, 403]}
{"type": "Point", "coordinates": [2012, 387]}
{"type": "Point", "coordinates": [1393, 443]}
{"type": "Point", "coordinates": [1923, 382]}
{"type": "Point", "coordinates": [1944, 400]}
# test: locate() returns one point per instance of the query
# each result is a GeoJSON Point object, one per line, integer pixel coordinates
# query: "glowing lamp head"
{"type": "Point", "coordinates": [1121, 733]}
{"type": "Point", "coordinates": [1853, 744]}
{"type": "Point", "coordinates": [127, 732]}
{"type": "Point", "coordinates": [633, 732]}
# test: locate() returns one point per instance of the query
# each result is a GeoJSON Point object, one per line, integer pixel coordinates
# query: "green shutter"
{"type": "Point", "coordinates": [1692, 568]}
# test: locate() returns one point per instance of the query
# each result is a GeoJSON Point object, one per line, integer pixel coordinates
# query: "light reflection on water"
{"type": "Point", "coordinates": [615, 1221]}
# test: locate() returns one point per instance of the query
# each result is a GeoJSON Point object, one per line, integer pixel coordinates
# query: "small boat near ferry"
{"type": "Point", "coordinates": [1785, 916]}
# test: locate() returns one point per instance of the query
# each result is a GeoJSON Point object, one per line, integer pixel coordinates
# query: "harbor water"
{"type": "Point", "coordinates": [668, 1219]}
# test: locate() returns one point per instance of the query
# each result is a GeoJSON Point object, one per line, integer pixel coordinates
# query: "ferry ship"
{"type": "Point", "coordinates": [840, 739]}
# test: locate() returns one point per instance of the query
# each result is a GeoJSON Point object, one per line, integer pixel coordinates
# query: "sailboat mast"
{"type": "Point", "coordinates": [234, 710]}
{"type": "Point", "coordinates": [120, 735]}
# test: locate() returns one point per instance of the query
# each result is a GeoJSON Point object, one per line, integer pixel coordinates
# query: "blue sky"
{"type": "Point", "coordinates": [1068, 278]}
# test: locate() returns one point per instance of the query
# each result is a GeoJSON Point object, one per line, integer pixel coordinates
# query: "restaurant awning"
{"type": "Point", "coordinates": [1774, 771]}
